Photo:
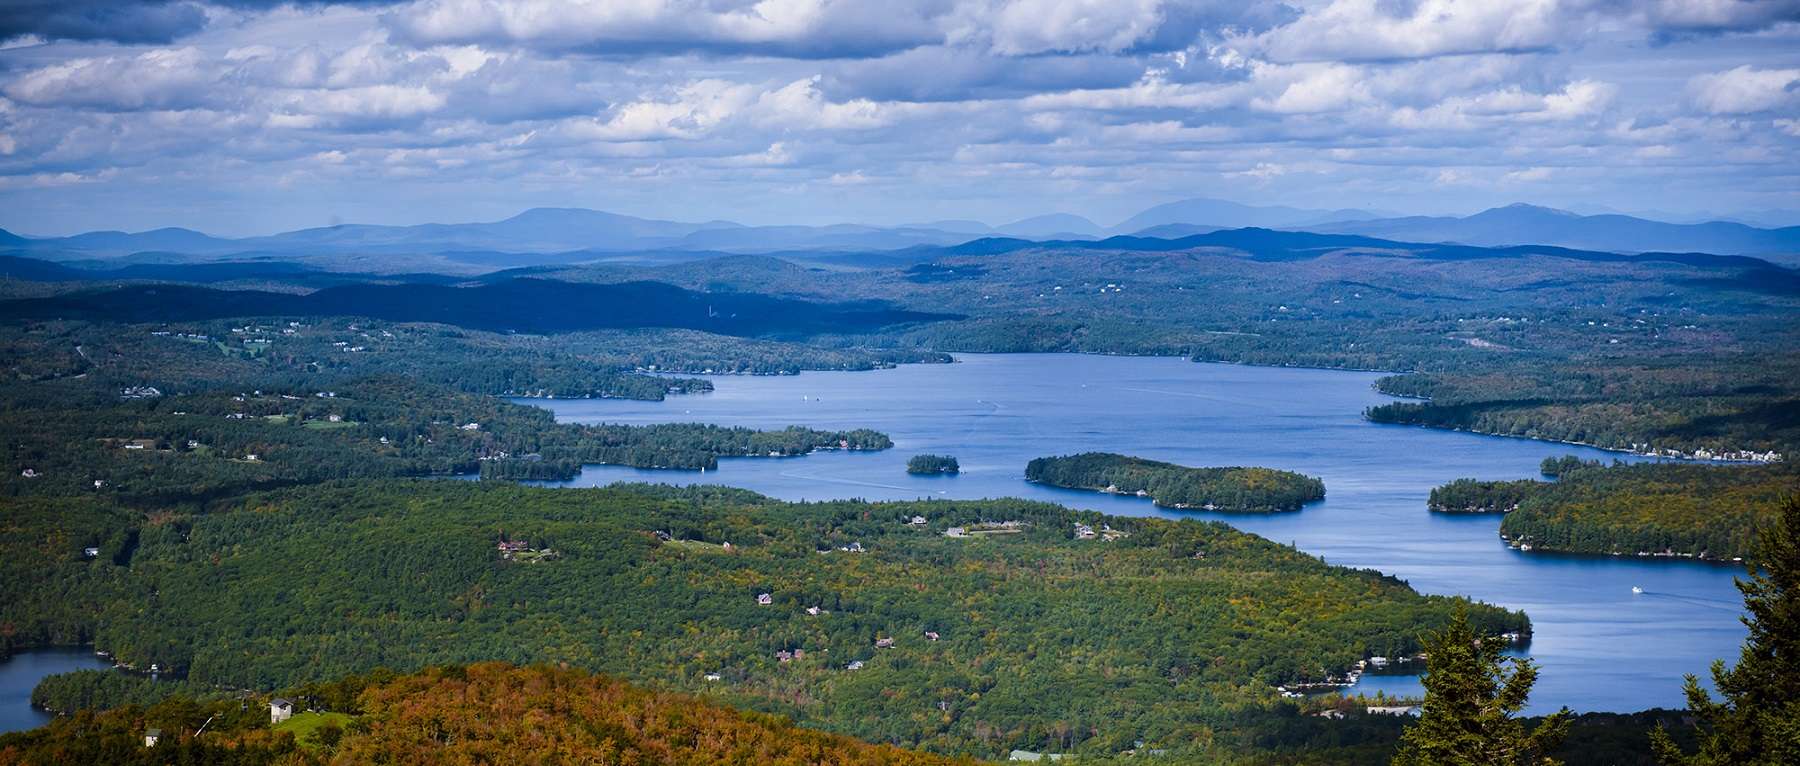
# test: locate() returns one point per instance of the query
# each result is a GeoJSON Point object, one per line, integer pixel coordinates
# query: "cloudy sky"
{"type": "Point", "coordinates": [247, 116]}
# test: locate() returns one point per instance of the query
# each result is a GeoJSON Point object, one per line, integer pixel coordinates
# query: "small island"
{"type": "Point", "coordinates": [932, 464]}
{"type": "Point", "coordinates": [1235, 489]}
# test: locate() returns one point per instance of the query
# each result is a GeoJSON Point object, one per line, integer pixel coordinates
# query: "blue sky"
{"type": "Point", "coordinates": [247, 117]}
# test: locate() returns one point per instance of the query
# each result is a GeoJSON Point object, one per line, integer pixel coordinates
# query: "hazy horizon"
{"type": "Point", "coordinates": [1761, 219]}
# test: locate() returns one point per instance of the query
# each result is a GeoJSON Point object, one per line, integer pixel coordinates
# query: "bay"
{"type": "Point", "coordinates": [21, 673]}
{"type": "Point", "coordinates": [1600, 646]}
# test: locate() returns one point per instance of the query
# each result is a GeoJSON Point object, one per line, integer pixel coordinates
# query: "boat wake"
{"type": "Point", "coordinates": [1709, 603]}
{"type": "Point", "coordinates": [850, 482]}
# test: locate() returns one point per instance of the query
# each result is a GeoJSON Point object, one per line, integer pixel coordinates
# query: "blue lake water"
{"type": "Point", "coordinates": [1600, 647]}
{"type": "Point", "coordinates": [19, 675]}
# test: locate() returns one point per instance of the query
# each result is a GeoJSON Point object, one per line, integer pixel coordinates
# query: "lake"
{"type": "Point", "coordinates": [19, 675]}
{"type": "Point", "coordinates": [1600, 647]}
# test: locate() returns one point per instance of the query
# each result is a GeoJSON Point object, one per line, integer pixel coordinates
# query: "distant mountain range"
{"type": "Point", "coordinates": [569, 235]}
{"type": "Point", "coordinates": [1532, 225]}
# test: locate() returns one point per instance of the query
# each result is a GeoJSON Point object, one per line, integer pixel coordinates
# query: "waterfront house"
{"type": "Point", "coordinates": [1393, 710]}
{"type": "Point", "coordinates": [280, 710]}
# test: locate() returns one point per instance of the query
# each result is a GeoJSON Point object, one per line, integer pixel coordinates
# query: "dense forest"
{"type": "Point", "coordinates": [484, 713]}
{"type": "Point", "coordinates": [481, 711]}
{"type": "Point", "coordinates": [1250, 490]}
{"type": "Point", "coordinates": [1641, 509]}
{"type": "Point", "coordinates": [1475, 496]}
{"type": "Point", "coordinates": [931, 464]}
{"type": "Point", "coordinates": [1039, 639]}
{"type": "Point", "coordinates": [1725, 406]}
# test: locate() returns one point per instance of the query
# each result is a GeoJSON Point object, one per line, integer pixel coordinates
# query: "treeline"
{"type": "Point", "coordinates": [484, 713]}
{"type": "Point", "coordinates": [67, 693]}
{"type": "Point", "coordinates": [687, 351]}
{"type": "Point", "coordinates": [1254, 490]}
{"type": "Point", "coordinates": [1043, 640]}
{"type": "Point", "coordinates": [690, 446]}
{"type": "Point", "coordinates": [285, 353]}
{"type": "Point", "coordinates": [1683, 509]}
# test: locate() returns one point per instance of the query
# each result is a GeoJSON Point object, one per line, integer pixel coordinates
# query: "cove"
{"type": "Point", "coordinates": [1600, 646]}
{"type": "Point", "coordinates": [22, 672]}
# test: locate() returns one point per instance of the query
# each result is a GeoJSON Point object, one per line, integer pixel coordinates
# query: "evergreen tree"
{"type": "Point", "coordinates": [1470, 699]}
{"type": "Point", "coordinates": [1758, 721]}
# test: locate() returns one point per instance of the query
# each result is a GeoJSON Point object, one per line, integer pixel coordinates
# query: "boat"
{"type": "Point", "coordinates": [1636, 589]}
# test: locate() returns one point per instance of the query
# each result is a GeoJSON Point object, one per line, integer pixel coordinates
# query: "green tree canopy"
{"type": "Point", "coordinates": [1470, 699]}
{"type": "Point", "coordinates": [1758, 720]}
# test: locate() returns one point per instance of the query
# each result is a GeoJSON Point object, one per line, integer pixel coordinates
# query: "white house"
{"type": "Point", "coordinates": [152, 736]}
{"type": "Point", "coordinates": [280, 710]}
{"type": "Point", "coordinates": [764, 599]}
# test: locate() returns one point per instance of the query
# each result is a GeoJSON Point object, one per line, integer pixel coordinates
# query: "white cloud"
{"type": "Point", "coordinates": [1037, 26]}
{"type": "Point", "coordinates": [1309, 88]}
{"type": "Point", "coordinates": [622, 27]}
{"type": "Point", "coordinates": [1744, 90]}
{"type": "Point", "coordinates": [1375, 30]}
{"type": "Point", "coordinates": [1527, 175]}
{"type": "Point", "coordinates": [687, 112]}
{"type": "Point", "coordinates": [176, 78]}
{"type": "Point", "coordinates": [382, 102]}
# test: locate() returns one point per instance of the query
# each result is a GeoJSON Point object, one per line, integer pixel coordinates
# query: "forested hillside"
{"type": "Point", "coordinates": [1641, 509]}
{"type": "Point", "coordinates": [1035, 638]}
{"type": "Point", "coordinates": [163, 449]}
{"type": "Point", "coordinates": [484, 713]}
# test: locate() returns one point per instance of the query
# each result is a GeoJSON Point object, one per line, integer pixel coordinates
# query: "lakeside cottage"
{"type": "Point", "coordinates": [280, 710]}
{"type": "Point", "coordinates": [1393, 710]}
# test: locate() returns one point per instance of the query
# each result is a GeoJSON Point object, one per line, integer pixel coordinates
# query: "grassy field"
{"type": "Point", "coordinates": [304, 725]}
